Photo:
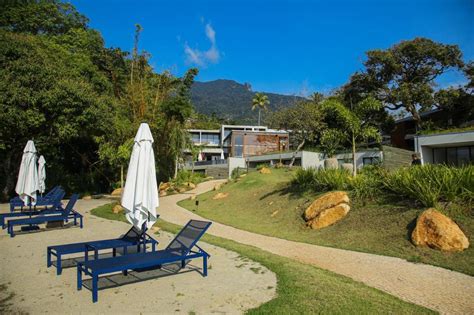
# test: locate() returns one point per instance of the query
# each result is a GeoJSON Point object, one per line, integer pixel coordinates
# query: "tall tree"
{"type": "Point", "coordinates": [404, 75]}
{"type": "Point", "coordinates": [260, 102]}
{"type": "Point", "coordinates": [305, 120]}
{"type": "Point", "coordinates": [354, 125]}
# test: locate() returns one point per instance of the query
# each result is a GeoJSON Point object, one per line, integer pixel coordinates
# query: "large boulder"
{"type": "Point", "coordinates": [324, 202]}
{"type": "Point", "coordinates": [438, 231]}
{"type": "Point", "coordinates": [117, 192]}
{"type": "Point", "coordinates": [190, 185]}
{"type": "Point", "coordinates": [330, 216]}
{"type": "Point", "coordinates": [265, 170]}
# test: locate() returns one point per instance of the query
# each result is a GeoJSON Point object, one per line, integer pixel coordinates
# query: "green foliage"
{"type": "Point", "coordinates": [403, 76]}
{"type": "Point", "coordinates": [430, 184]}
{"type": "Point", "coordinates": [183, 177]}
{"type": "Point", "coordinates": [40, 17]}
{"type": "Point", "coordinates": [331, 141]}
{"type": "Point", "coordinates": [322, 179]}
{"type": "Point", "coordinates": [235, 173]}
{"type": "Point", "coordinates": [260, 102]}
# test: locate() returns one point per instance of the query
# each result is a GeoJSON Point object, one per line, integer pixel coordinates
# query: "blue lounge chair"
{"type": "Point", "coordinates": [54, 202]}
{"type": "Point", "coordinates": [132, 238]}
{"type": "Point", "coordinates": [50, 200]}
{"type": "Point", "coordinates": [180, 249]}
{"type": "Point", "coordinates": [63, 215]}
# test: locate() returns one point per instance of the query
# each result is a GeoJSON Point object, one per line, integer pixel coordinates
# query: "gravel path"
{"type": "Point", "coordinates": [27, 286]}
{"type": "Point", "coordinates": [445, 291]}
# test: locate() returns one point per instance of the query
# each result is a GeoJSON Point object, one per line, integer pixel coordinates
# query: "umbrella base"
{"type": "Point", "coordinates": [30, 228]}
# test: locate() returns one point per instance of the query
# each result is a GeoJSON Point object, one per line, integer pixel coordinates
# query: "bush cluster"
{"type": "Point", "coordinates": [428, 184]}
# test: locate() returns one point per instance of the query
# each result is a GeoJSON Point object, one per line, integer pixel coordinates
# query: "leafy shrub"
{"type": "Point", "coordinates": [322, 179]}
{"type": "Point", "coordinates": [368, 184]}
{"type": "Point", "coordinates": [235, 173]}
{"type": "Point", "coordinates": [260, 166]}
{"type": "Point", "coordinates": [185, 176]}
{"type": "Point", "coordinates": [430, 184]}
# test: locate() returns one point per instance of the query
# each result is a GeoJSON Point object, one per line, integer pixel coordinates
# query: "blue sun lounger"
{"type": "Point", "coordinates": [54, 202]}
{"type": "Point", "coordinates": [63, 215]}
{"type": "Point", "coordinates": [132, 238]}
{"type": "Point", "coordinates": [48, 200]}
{"type": "Point", "coordinates": [180, 249]}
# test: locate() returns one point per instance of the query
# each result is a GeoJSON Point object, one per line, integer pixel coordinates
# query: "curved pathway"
{"type": "Point", "coordinates": [437, 288]}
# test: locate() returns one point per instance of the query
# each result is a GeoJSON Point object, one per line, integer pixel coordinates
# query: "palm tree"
{"type": "Point", "coordinates": [260, 101]}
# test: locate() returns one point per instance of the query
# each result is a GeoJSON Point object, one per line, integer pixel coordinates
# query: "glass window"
{"type": "Point", "coordinates": [239, 140]}
{"type": "Point", "coordinates": [463, 156]}
{"type": "Point", "coordinates": [439, 156]}
{"type": "Point", "coordinates": [238, 151]}
{"type": "Point", "coordinates": [451, 156]}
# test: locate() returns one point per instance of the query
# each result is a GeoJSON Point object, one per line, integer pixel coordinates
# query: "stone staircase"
{"type": "Point", "coordinates": [218, 171]}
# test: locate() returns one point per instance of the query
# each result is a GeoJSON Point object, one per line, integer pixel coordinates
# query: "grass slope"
{"type": "Point", "coordinates": [302, 288]}
{"type": "Point", "coordinates": [262, 203]}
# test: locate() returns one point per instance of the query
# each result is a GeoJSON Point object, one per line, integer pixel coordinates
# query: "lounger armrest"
{"type": "Point", "coordinates": [203, 251]}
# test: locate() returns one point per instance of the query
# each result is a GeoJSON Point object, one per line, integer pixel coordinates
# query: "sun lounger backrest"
{"type": "Point", "coordinates": [132, 235]}
{"type": "Point", "coordinates": [70, 204]}
{"type": "Point", "coordinates": [51, 192]}
{"type": "Point", "coordinates": [188, 236]}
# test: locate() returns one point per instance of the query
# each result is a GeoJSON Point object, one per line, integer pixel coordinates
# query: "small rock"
{"type": "Point", "coordinates": [274, 213]}
{"type": "Point", "coordinates": [326, 201]}
{"type": "Point", "coordinates": [182, 190]}
{"type": "Point", "coordinates": [242, 175]}
{"type": "Point", "coordinates": [193, 197]}
{"type": "Point", "coordinates": [117, 192]}
{"type": "Point", "coordinates": [217, 187]}
{"type": "Point", "coordinates": [265, 170]}
{"type": "Point", "coordinates": [87, 197]}
{"type": "Point", "coordinates": [438, 231]}
{"type": "Point", "coordinates": [117, 209]}
{"type": "Point", "coordinates": [191, 185]}
{"type": "Point", "coordinates": [270, 203]}
{"type": "Point", "coordinates": [220, 196]}
{"type": "Point", "coordinates": [330, 216]}
{"type": "Point", "coordinates": [165, 186]}
{"type": "Point", "coordinates": [163, 193]}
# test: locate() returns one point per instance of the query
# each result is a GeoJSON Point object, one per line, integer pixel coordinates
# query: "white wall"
{"type": "Point", "coordinates": [423, 144]}
{"type": "Point", "coordinates": [235, 162]}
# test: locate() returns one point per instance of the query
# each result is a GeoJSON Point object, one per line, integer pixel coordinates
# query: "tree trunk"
{"type": "Point", "coordinates": [175, 168]}
{"type": "Point", "coordinates": [259, 116]}
{"type": "Point", "coordinates": [300, 146]}
{"type": "Point", "coordinates": [121, 176]}
{"type": "Point", "coordinates": [354, 165]}
{"type": "Point", "coordinates": [415, 115]}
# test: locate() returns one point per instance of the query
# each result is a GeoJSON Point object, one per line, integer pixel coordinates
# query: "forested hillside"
{"type": "Point", "coordinates": [232, 101]}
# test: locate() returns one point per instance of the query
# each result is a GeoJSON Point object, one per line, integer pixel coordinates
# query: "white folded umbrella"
{"type": "Point", "coordinates": [42, 174]}
{"type": "Point", "coordinates": [27, 183]}
{"type": "Point", "coordinates": [140, 194]}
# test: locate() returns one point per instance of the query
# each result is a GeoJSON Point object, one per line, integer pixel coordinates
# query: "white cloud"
{"type": "Point", "coordinates": [202, 58]}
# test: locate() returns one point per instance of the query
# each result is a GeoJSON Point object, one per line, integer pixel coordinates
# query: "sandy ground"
{"type": "Point", "coordinates": [439, 289]}
{"type": "Point", "coordinates": [234, 284]}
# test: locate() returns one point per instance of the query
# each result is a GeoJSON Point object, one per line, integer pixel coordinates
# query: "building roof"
{"type": "Point", "coordinates": [423, 114]}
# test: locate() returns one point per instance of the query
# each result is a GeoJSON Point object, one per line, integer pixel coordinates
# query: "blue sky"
{"type": "Point", "coordinates": [290, 47]}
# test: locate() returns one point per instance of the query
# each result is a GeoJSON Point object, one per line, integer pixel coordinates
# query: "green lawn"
{"type": "Point", "coordinates": [302, 288]}
{"type": "Point", "coordinates": [263, 204]}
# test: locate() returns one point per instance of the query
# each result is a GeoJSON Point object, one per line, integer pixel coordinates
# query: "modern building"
{"type": "Point", "coordinates": [451, 148]}
{"type": "Point", "coordinates": [237, 141]}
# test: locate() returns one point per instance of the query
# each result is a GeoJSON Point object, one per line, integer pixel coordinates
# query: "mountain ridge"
{"type": "Point", "coordinates": [232, 101]}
